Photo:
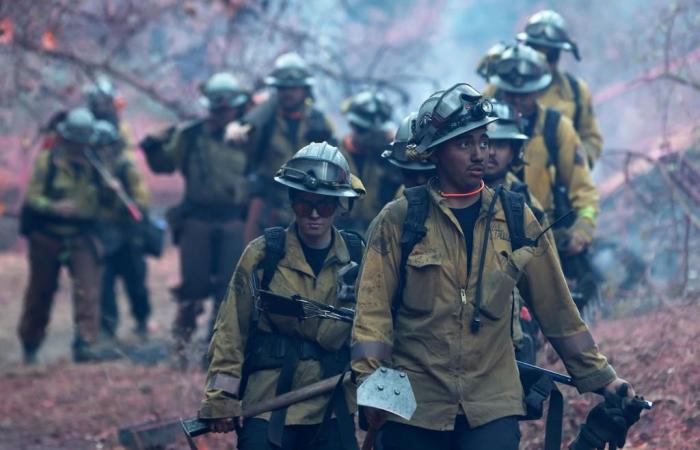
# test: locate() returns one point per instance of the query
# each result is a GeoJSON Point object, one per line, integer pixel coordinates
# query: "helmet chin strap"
{"type": "Point", "coordinates": [464, 194]}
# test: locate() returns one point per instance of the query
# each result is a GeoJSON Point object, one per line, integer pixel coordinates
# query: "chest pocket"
{"type": "Point", "coordinates": [423, 272]}
{"type": "Point", "coordinates": [500, 283]}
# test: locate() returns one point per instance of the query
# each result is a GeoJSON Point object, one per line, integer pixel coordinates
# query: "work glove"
{"type": "Point", "coordinates": [608, 422]}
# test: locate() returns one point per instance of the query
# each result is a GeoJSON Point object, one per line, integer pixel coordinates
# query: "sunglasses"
{"type": "Point", "coordinates": [324, 208]}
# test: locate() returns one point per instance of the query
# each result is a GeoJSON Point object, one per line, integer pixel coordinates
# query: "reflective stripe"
{"type": "Point", "coordinates": [570, 346]}
{"type": "Point", "coordinates": [226, 383]}
{"type": "Point", "coordinates": [588, 212]}
{"type": "Point", "coordinates": [371, 349]}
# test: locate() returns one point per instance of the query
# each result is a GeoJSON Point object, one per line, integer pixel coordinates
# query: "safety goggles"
{"type": "Point", "coordinates": [546, 30]}
{"type": "Point", "coordinates": [218, 101]}
{"type": "Point", "coordinates": [517, 67]}
{"type": "Point", "coordinates": [459, 98]}
{"type": "Point", "coordinates": [313, 174]}
{"type": "Point", "coordinates": [325, 208]}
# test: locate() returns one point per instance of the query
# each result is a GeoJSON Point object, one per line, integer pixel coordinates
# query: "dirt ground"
{"type": "Point", "coordinates": [61, 405]}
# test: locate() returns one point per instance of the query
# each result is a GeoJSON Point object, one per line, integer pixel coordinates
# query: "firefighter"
{"type": "Point", "coordinates": [208, 224]}
{"type": "Point", "coordinates": [256, 355]}
{"type": "Point", "coordinates": [434, 293]}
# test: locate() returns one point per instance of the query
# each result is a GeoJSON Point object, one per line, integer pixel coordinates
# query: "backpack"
{"type": "Point", "coordinates": [537, 388]}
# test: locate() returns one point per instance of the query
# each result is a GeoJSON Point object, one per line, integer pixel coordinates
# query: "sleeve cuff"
{"type": "Point", "coordinates": [597, 380]}
{"type": "Point", "coordinates": [219, 408]}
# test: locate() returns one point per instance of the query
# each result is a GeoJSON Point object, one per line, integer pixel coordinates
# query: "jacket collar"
{"type": "Point", "coordinates": [294, 255]}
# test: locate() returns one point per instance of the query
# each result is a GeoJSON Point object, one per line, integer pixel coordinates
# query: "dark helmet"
{"type": "Point", "coordinates": [105, 134]}
{"type": "Point", "coordinates": [487, 63]}
{"type": "Point", "coordinates": [369, 110]}
{"type": "Point", "coordinates": [396, 153]}
{"type": "Point", "coordinates": [548, 29]}
{"type": "Point", "coordinates": [319, 168]}
{"type": "Point", "coordinates": [290, 71]}
{"type": "Point", "coordinates": [508, 127]}
{"type": "Point", "coordinates": [223, 90]}
{"type": "Point", "coordinates": [78, 126]}
{"type": "Point", "coordinates": [100, 92]}
{"type": "Point", "coordinates": [445, 115]}
{"type": "Point", "coordinates": [521, 70]}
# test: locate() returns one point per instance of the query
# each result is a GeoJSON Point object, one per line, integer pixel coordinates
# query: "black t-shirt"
{"type": "Point", "coordinates": [315, 257]}
{"type": "Point", "coordinates": [467, 220]}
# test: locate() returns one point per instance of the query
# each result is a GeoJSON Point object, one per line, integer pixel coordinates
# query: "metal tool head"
{"type": "Point", "coordinates": [388, 390]}
{"type": "Point", "coordinates": [188, 434]}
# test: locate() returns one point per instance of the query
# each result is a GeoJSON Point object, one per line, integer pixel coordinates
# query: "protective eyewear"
{"type": "Point", "coordinates": [453, 101]}
{"type": "Point", "coordinates": [313, 174]}
{"type": "Point", "coordinates": [218, 101]}
{"type": "Point", "coordinates": [547, 30]}
{"type": "Point", "coordinates": [324, 208]}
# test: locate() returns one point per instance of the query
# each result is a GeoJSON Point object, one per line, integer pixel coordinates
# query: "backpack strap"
{"type": "Point", "coordinates": [275, 239]}
{"type": "Point", "coordinates": [412, 232]}
{"type": "Point", "coordinates": [355, 244]}
{"type": "Point", "coordinates": [318, 130]}
{"type": "Point", "coordinates": [549, 133]}
{"type": "Point", "coordinates": [536, 393]}
{"type": "Point", "coordinates": [123, 176]}
{"type": "Point", "coordinates": [514, 210]}
{"type": "Point", "coordinates": [576, 89]}
{"type": "Point", "coordinates": [50, 176]}
{"type": "Point", "coordinates": [189, 137]}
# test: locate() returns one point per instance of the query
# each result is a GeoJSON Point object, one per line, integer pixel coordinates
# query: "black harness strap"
{"type": "Point", "coordinates": [275, 240]}
{"type": "Point", "coordinates": [514, 210]}
{"type": "Point", "coordinates": [355, 245]}
{"type": "Point", "coordinates": [549, 133]}
{"type": "Point", "coordinates": [576, 90]}
{"type": "Point", "coordinates": [412, 232]}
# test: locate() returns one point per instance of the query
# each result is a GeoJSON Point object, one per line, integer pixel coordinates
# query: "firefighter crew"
{"type": "Point", "coordinates": [58, 219]}
{"type": "Point", "coordinates": [369, 115]}
{"type": "Point", "coordinates": [122, 241]}
{"type": "Point", "coordinates": [250, 351]}
{"type": "Point", "coordinates": [272, 132]}
{"type": "Point", "coordinates": [442, 311]}
{"type": "Point", "coordinates": [557, 172]}
{"type": "Point", "coordinates": [208, 224]}
{"type": "Point", "coordinates": [546, 31]}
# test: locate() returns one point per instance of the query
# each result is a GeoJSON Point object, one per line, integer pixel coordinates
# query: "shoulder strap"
{"type": "Point", "coordinates": [355, 245]}
{"type": "Point", "coordinates": [514, 210]}
{"type": "Point", "coordinates": [412, 232]}
{"type": "Point", "coordinates": [275, 239]}
{"type": "Point", "coordinates": [522, 189]}
{"type": "Point", "coordinates": [318, 130]}
{"type": "Point", "coordinates": [50, 176]}
{"type": "Point", "coordinates": [549, 133]}
{"type": "Point", "coordinates": [576, 89]}
{"type": "Point", "coordinates": [189, 137]}
{"type": "Point", "coordinates": [123, 176]}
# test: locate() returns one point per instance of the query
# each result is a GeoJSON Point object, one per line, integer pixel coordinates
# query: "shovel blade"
{"type": "Point", "coordinates": [388, 390]}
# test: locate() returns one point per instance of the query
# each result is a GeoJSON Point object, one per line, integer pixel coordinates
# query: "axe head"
{"type": "Point", "coordinates": [388, 390]}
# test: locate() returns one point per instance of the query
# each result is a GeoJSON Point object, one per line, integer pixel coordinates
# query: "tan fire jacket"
{"type": "Point", "coordinates": [78, 182]}
{"type": "Point", "coordinates": [226, 351]}
{"type": "Point", "coordinates": [573, 171]}
{"type": "Point", "coordinates": [214, 170]}
{"type": "Point", "coordinates": [560, 96]}
{"type": "Point", "coordinates": [452, 370]}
